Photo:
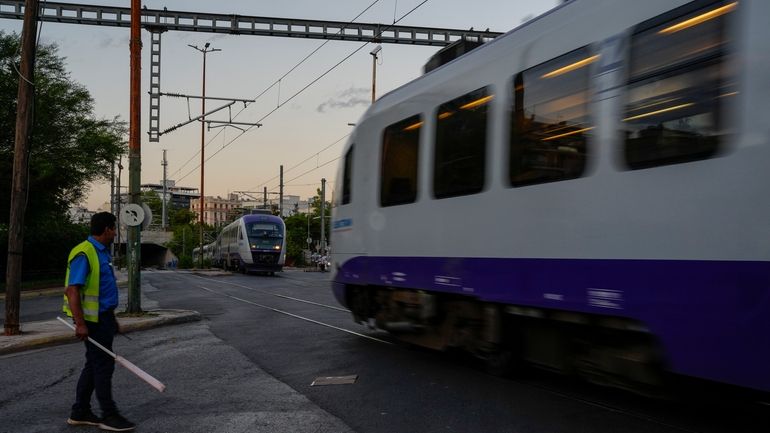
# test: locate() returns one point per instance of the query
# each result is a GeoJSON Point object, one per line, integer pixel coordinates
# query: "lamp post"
{"type": "Point", "coordinates": [374, 53]}
{"type": "Point", "coordinates": [205, 51]}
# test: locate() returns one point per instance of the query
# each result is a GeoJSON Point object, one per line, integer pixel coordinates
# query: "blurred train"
{"type": "Point", "coordinates": [587, 193]}
{"type": "Point", "coordinates": [252, 243]}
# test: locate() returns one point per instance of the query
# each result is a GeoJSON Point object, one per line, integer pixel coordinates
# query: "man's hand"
{"type": "Point", "coordinates": [81, 331]}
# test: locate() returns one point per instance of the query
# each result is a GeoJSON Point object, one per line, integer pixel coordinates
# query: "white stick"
{"type": "Point", "coordinates": [153, 382]}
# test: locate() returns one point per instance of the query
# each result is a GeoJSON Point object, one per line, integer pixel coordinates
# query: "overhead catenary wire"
{"type": "Point", "coordinates": [278, 82]}
{"type": "Point", "coordinates": [305, 87]}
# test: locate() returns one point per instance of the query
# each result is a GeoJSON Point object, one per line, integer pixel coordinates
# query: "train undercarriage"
{"type": "Point", "coordinates": [606, 350]}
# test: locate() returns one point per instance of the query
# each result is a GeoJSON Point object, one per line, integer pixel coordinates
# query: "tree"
{"type": "Point", "coordinates": [70, 148]}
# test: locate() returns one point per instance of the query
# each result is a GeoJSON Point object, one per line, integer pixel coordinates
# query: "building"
{"type": "Point", "coordinates": [80, 215]}
{"type": "Point", "coordinates": [178, 197]}
{"type": "Point", "coordinates": [217, 211]}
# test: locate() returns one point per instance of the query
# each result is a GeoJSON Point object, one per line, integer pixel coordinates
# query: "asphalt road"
{"type": "Point", "coordinates": [291, 328]}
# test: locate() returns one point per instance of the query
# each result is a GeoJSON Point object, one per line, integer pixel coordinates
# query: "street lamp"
{"type": "Point", "coordinates": [374, 53]}
{"type": "Point", "coordinates": [205, 51]}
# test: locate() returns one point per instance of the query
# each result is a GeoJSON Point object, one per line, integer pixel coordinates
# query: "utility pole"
{"type": "Point", "coordinates": [280, 196]}
{"type": "Point", "coordinates": [134, 245]}
{"type": "Point", "coordinates": [264, 197]}
{"type": "Point", "coordinates": [164, 222]}
{"type": "Point", "coordinates": [119, 196]}
{"type": "Point", "coordinates": [205, 51]}
{"type": "Point", "coordinates": [323, 216]}
{"type": "Point", "coordinates": [374, 53]}
{"type": "Point", "coordinates": [24, 118]}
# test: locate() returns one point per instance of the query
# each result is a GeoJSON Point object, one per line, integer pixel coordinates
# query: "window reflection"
{"type": "Point", "coordinates": [461, 141]}
{"type": "Point", "coordinates": [550, 120]}
{"type": "Point", "coordinates": [677, 79]}
{"type": "Point", "coordinates": [400, 149]}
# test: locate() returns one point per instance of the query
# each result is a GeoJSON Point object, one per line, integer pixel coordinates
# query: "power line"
{"type": "Point", "coordinates": [277, 82]}
{"type": "Point", "coordinates": [302, 162]}
{"type": "Point", "coordinates": [305, 88]}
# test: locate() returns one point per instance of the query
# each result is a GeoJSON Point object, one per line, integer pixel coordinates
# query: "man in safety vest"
{"type": "Point", "coordinates": [90, 298]}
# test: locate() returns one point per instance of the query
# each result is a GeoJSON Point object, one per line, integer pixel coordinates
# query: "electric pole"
{"type": "Point", "coordinates": [133, 244]}
{"type": "Point", "coordinates": [24, 118]}
{"type": "Point", "coordinates": [205, 51]}
{"type": "Point", "coordinates": [280, 196]}
{"type": "Point", "coordinates": [164, 222]}
{"type": "Point", "coordinates": [323, 220]}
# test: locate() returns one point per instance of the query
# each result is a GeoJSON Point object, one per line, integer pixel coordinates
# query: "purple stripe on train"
{"type": "Point", "coordinates": [712, 317]}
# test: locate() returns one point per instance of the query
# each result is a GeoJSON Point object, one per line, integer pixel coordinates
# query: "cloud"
{"type": "Point", "coordinates": [346, 99]}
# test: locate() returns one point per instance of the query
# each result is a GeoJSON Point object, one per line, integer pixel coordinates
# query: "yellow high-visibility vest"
{"type": "Point", "coordinates": [89, 294]}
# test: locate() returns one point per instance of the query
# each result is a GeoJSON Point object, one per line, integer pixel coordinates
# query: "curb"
{"type": "Point", "coordinates": [52, 333]}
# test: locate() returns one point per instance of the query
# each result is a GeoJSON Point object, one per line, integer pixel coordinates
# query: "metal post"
{"type": "Point", "coordinates": [323, 221]}
{"type": "Point", "coordinates": [264, 197]}
{"type": "Point", "coordinates": [280, 196]}
{"type": "Point", "coordinates": [24, 119]}
{"type": "Point", "coordinates": [134, 244]}
{"type": "Point", "coordinates": [374, 53]}
{"type": "Point", "coordinates": [205, 51]}
{"type": "Point", "coordinates": [118, 207]}
{"type": "Point", "coordinates": [164, 218]}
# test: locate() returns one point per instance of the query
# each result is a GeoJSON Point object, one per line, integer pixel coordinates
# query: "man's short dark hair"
{"type": "Point", "coordinates": [101, 221]}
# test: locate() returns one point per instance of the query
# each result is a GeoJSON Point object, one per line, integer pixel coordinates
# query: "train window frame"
{"type": "Point", "coordinates": [698, 102]}
{"type": "Point", "coordinates": [347, 177]}
{"type": "Point", "coordinates": [532, 161]}
{"type": "Point", "coordinates": [470, 167]}
{"type": "Point", "coordinates": [399, 161]}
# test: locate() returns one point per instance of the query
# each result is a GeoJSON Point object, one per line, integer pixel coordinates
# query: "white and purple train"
{"type": "Point", "coordinates": [252, 243]}
{"type": "Point", "coordinates": [588, 192]}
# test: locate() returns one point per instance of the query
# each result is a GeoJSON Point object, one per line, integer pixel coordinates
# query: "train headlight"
{"type": "Point", "coordinates": [276, 247]}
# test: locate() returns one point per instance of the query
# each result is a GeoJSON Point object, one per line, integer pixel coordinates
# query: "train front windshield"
{"type": "Point", "coordinates": [264, 235]}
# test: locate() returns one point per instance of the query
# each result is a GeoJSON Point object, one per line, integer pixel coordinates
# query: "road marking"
{"type": "Point", "coordinates": [296, 316]}
{"type": "Point", "coordinates": [345, 310]}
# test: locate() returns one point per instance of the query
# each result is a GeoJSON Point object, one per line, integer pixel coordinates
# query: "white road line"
{"type": "Point", "coordinates": [345, 310]}
{"type": "Point", "coordinates": [295, 316]}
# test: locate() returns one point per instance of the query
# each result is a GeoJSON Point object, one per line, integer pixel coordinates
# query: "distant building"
{"type": "Point", "coordinates": [217, 211]}
{"type": "Point", "coordinates": [80, 215]}
{"type": "Point", "coordinates": [178, 197]}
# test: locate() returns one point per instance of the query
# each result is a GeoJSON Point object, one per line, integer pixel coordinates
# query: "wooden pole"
{"type": "Point", "coordinates": [24, 118]}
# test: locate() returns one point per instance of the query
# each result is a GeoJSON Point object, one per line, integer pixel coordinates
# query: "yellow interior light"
{"type": "Point", "coordinates": [694, 21]}
{"type": "Point", "coordinates": [477, 102]}
{"type": "Point", "coordinates": [444, 115]}
{"type": "Point", "coordinates": [571, 67]}
{"type": "Point", "coordinates": [664, 110]}
{"type": "Point", "coordinates": [413, 126]}
{"type": "Point", "coordinates": [554, 137]}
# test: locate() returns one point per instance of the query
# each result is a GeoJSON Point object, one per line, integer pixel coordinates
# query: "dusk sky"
{"type": "Point", "coordinates": [304, 128]}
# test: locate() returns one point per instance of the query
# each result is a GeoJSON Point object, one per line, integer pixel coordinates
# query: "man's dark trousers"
{"type": "Point", "coordinates": [97, 373]}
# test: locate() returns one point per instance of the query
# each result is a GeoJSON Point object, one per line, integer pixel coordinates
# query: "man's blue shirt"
{"type": "Point", "coordinates": [108, 287]}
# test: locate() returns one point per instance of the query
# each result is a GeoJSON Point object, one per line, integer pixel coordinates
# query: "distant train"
{"type": "Point", "coordinates": [588, 193]}
{"type": "Point", "coordinates": [252, 243]}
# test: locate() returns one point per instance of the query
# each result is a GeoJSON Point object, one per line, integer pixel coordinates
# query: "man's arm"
{"type": "Point", "coordinates": [73, 299]}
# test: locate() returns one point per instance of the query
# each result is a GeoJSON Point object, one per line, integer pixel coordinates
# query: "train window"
{"type": "Point", "coordinates": [461, 140]}
{"type": "Point", "coordinates": [550, 121]}
{"type": "Point", "coordinates": [346, 176]}
{"type": "Point", "coordinates": [677, 81]}
{"type": "Point", "coordinates": [398, 163]}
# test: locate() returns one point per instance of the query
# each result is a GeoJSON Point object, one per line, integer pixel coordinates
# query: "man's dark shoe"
{"type": "Point", "coordinates": [116, 422]}
{"type": "Point", "coordinates": [83, 418]}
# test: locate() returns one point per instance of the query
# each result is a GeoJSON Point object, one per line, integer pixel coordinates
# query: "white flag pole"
{"type": "Point", "coordinates": [155, 383]}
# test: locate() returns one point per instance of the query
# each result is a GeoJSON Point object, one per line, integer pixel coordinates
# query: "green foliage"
{"type": "Point", "coordinates": [153, 201]}
{"type": "Point", "coordinates": [46, 248]}
{"type": "Point", "coordinates": [69, 149]}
